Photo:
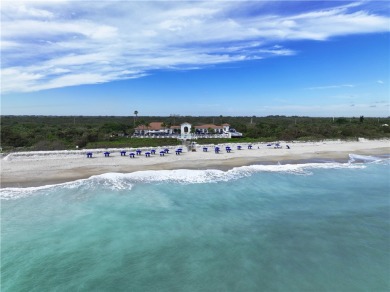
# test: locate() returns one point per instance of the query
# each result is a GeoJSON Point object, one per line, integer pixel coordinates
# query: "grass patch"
{"type": "Point", "coordinates": [134, 143]}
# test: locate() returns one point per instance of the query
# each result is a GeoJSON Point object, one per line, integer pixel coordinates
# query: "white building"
{"type": "Point", "coordinates": [186, 131]}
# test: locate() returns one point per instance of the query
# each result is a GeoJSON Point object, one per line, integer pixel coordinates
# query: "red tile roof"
{"type": "Point", "coordinates": [208, 126]}
{"type": "Point", "coordinates": [157, 126]}
{"type": "Point", "coordinates": [152, 126]}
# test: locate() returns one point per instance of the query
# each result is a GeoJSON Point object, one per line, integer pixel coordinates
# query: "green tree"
{"type": "Point", "coordinates": [341, 121]}
{"type": "Point", "coordinates": [135, 116]}
{"type": "Point", "coordinates": [13, 138]}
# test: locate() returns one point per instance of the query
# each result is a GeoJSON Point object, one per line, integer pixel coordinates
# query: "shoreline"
{"type": "Point", "coordinates": [33, 169]}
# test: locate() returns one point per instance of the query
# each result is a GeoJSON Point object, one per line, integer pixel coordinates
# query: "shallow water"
{"type": "Point", "coordinates": [312, 227]}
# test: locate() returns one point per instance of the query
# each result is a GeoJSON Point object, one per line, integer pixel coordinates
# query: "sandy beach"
{"type": "Point", "coordinates": [25, 169]}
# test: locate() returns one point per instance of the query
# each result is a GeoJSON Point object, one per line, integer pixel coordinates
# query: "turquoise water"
{"type": "Point", "coordinates": [312, 227]}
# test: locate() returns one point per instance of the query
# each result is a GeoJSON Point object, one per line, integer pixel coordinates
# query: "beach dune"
{"type": "Point", "coordinates": [25, 169]}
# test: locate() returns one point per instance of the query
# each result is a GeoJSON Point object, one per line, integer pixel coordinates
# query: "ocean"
{"type": "Point", "coordinates": [302, 227]}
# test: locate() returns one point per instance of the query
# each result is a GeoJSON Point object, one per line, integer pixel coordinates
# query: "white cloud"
{"type": "Point", "coordinates": [19, 10]}
{"type": "Point", "coordinates": [337, 110]}
{"type": "Point", "coordinates": [60, 43]}
{"type": "Point", "coordinates": [380, 82]}
{"type": "Point", "coordinates": [73, 79]}
{"type": "Point", "coordinates": [23, 81]}
{"type": "Point", "coordinates": [331, 86]}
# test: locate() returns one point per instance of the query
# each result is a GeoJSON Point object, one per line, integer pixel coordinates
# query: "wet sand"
{"type": "Point", "coordinates": [26, 169]}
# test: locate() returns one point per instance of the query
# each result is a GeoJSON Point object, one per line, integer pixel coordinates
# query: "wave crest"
{"type": "Point", "coordinates": [367, 158]}
{"type": "Point", "coordinates": [125, 181]}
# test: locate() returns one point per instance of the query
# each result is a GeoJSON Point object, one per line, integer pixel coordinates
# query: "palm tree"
{"type": "Point", "coordinates": [143, 126]}
{"type": "Point", "coordinates": [147, 125]}
{"type": "Point", "coordinates": [135, 116]}
{"type": "Point", "coordinates": [164, 127]}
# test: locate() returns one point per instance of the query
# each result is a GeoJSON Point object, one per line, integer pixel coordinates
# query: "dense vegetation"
{"type": "Point", "coordinates": [57, 132]}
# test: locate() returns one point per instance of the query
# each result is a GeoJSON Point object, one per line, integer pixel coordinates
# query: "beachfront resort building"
{"type": "Point", "coordinates": [185, 131]}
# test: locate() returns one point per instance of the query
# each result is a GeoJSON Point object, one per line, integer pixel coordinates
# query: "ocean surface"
{"type": "Point", "coordinates": [304, 227]}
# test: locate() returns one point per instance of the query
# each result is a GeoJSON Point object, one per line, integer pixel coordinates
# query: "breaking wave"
{"type": "Point", "coordinates": [356, 158]}
{"type": "Point", "coordinates": [126, 181]}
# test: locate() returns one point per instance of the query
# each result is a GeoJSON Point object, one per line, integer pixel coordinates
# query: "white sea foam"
{"type": "Point", "coordinates": [125, 181]}
{"type": "Point", "coordinates": [365, 158]}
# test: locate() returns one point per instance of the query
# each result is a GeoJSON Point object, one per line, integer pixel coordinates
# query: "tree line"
{"type": "Point", "coordinates": [66, 132]}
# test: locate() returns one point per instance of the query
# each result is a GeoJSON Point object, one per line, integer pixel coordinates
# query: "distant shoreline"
{"type": "Point", "coordinates": [31, 169]}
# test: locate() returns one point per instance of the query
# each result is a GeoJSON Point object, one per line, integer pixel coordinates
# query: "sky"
{"type": "Point", "coordinates": [198, 58]}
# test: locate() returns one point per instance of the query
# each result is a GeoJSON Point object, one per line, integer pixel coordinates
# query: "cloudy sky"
{"type": "Point", "coordinates": [314, 58]}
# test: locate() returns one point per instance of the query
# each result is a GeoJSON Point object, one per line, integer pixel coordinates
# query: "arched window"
{"type": "Point", "coordinates": [185, 129]}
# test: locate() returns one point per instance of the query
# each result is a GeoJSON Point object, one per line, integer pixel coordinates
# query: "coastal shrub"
{"type": "Point", "coordinates": [13, 138]}
{"type": "Point", "coordinates": [133, 143]}
{"type": "Point", "coordinates": [25, 132]}
{"type": "Point", "coordinates": [49, 145]}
